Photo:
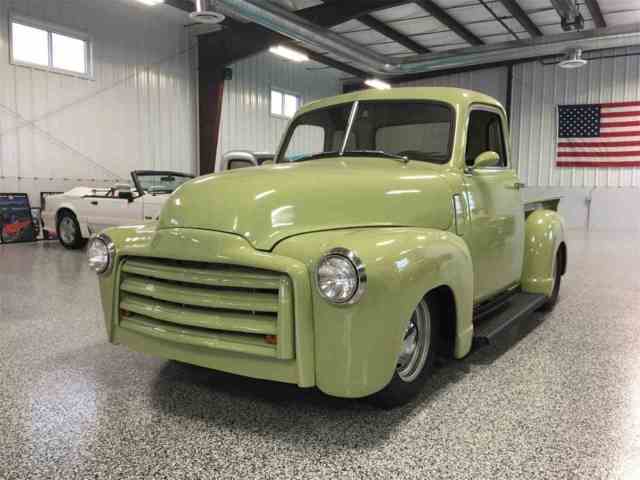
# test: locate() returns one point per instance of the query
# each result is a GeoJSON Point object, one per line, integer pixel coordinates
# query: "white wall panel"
{"type": "Point", "coordinates": [592, 197]}
{"type": "Point", "coordinates": [492, 81]}
{"type": "Point", "coordinates": [138, 112]}
{"type": "Point", "coordinates": [247, 123]}
{"type": "Point", "coordinates": [537, 91]}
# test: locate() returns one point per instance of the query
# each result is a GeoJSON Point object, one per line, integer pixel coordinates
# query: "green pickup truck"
{"type": "Point", "coordinates": [389, 229]}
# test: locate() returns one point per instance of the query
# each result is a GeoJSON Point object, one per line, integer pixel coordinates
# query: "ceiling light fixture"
{"type": "Point", "coordinates": [205, 13]}
{"type": "Point", "coordinates": [379, 84]}
{"type": "Point", "coordinates": [151, 3]}
{"type": "Point", "coordinates": [573, 59]}
{"type": "Point", "coordinates": [289, 53]}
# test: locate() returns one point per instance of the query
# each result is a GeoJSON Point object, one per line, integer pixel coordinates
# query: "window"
{"type": "Point", "coordinates": [44, 46]}
{"type": "Point", "coordinates": [284, 104]}
{"type": "Point", "coordinates": [417, 130]}
{"type": "Point", "coordinates": [485, 134]}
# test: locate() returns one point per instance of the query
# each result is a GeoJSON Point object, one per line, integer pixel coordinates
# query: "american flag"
{"type": "Point", "coordinates": [599, 135]}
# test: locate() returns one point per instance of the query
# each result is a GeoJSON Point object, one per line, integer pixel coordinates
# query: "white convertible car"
{"type": "Point", "coordinates": [82, 211]}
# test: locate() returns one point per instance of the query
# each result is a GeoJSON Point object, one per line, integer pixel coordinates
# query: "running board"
{"type": "Point", "coordinates": [516, 307]}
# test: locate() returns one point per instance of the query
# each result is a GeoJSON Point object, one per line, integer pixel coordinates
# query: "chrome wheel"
{"type": "Point", "coordinates": [67, 230]}
{"type": "Point", "coordinates": [415, 345]}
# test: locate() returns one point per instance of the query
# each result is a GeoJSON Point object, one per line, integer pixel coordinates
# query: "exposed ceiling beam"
{"type": "Point", "coordinates": [448, 21]}
{"type": "Point", "coordinates": [384, 29]}
{"type": "Point", "coordinates": [329, 62]}
{"type": "Point", "coordinates": [334, 12]}
{"type": "Point", "coordinates": [240, 40]}
{"type": "Point", "coordinates": [596, 13]}
{"type": "Point", "coordinates": [380, 27]}
{"type": "Point", "coordinates": [523, 19]}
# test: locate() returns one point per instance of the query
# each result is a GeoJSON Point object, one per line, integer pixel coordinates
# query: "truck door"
{"type": "Point", "coordinates": [495, 205]}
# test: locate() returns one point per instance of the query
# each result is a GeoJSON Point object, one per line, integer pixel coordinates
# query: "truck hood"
{"type": "Point", "coordinates": [268, 204]}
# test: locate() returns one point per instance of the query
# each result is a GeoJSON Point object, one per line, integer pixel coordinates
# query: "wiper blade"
{"type": "Point", "coordinates": [314, 156]}
{"type": "Point", "coordinates": [380, 153]}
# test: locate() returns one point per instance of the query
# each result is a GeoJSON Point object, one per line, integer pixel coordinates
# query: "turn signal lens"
{"type": "Point", "coordinates": [271, 339]}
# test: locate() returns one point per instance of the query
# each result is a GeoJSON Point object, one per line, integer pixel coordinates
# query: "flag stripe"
{"type": "Point", "coordinates": [625, 113]}
{"type": "Point", "coordinates": [635, 123]}
{"type": "Point", "coordinates": [600, 154]}
{"type": "Point", "coordinates": [577, 141]}
{"type": "Point", "coordinates": [600, 164]}
{"type": "Point", "coordinates": [620, 104]}
{"type": "Point", "coordinates": [620, 109]}
{"type": "Point", "coordinates": [619, 134]}
{"type": "Point", "coordinates": [598, 144]}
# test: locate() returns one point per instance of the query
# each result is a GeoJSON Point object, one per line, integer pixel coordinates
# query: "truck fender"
{"type": "Point", "coordinates": [357, 345]}
{"type": "Point", "coordinates": [544, 234]}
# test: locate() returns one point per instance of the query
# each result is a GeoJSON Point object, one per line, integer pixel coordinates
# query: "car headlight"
{"type": "Point", "coordinates": [100, 253]}
{"type": "Point", "coordinates": [340, 276]}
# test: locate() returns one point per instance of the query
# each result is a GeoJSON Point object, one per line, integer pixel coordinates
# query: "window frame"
{"type": "Point", "coordinates": [505, 140]}
{"type": "Point", "coordinates": [51, 29]}
{"type": "Point", "coordinates": [283, 93]}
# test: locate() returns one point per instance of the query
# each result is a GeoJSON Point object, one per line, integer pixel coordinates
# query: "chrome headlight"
{"type": "Point", "coordinates": [100, 253]}
{"type": "Point", "coordinates": [340, 276]}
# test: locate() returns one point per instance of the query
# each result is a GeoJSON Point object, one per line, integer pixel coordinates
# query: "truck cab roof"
{"type": "Point", "coordinates": [458, 97]}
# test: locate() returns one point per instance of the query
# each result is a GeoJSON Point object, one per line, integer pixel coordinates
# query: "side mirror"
{"type": "Point", "coordinates": [486, 159]}
{"type": "Point", "coordinates": [126, 194]}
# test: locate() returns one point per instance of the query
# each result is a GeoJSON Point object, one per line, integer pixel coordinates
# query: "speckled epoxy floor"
{"type": "Point", "coordinates": [557, 398]}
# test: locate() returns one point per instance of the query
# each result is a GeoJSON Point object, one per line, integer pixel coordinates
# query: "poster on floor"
{"type": "Point", "coordinates": [16, 221]}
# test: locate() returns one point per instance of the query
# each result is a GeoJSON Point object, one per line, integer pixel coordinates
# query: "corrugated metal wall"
{"type": "Point", "coordinates": [492, 81]}
{"type": "Point", "coordinates": [538, 89]}
{"type": "Point", "coordinates": [139, 111]}
{"type": "Point", "coordinates": [247, 123]}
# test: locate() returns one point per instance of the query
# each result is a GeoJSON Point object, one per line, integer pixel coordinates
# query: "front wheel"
{"type": "Point", "coordinates": [415, 361]}
{"type": "Point", "coordinates": [69, 231]}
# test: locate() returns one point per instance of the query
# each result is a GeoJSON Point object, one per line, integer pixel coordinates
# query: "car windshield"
{"type": "Point", "coordinates": [161, 182]}
{"type": "Point", "coordinates": [404, 129]}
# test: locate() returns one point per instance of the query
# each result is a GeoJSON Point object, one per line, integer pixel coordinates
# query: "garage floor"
{"type": "Point", "coordinates": [559, 398]}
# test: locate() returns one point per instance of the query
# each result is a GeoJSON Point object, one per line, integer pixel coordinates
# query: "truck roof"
{"type": "Point", "coordinates": [451, 95]}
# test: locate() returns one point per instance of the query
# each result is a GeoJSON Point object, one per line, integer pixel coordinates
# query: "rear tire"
{"type": "Point", "coordinates": [69, 232]}
{"type": "Point", "coordinates": [557, 278]}
{"type": "Point", "coordinates": [415, 362]}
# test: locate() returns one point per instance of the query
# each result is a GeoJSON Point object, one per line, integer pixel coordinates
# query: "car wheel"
{"type": "Point", "coordinates": [557, 277]}
{"type": "Point", "coordinates": [415, 361]}
{"type": "Point", "coordinates": [69, 231]}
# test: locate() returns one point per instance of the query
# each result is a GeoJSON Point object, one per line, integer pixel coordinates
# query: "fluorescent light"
{"type": "Point", "coordinates": [289, 54]}
{"type": "Point", "coordinates": [151, 2]}
{"type": "Point", "coordinates": [379, 84]}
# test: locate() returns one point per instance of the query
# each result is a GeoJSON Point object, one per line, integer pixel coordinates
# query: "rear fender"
{"type": "Point", "coordinates": [357, 345]}
{"type": "Point", "coordinates": [544, 233]}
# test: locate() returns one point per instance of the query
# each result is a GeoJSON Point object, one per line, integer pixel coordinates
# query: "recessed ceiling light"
{"type": "Point", "coordinates": [289, 53]}
{"type": "Point", "coordinates": [379, 84]}
{"type": "Point", "coordinates": [151, 2]}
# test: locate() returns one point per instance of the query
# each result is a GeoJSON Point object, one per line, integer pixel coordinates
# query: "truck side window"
{"type": "Point", "coordinates": [485, 133]}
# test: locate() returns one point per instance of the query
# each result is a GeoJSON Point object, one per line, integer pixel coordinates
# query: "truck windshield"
{"type": "Point", "coordinates": [415, 130]}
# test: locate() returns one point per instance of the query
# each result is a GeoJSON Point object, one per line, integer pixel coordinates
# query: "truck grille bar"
{"type": "Point", "coordinates": [218, 306]}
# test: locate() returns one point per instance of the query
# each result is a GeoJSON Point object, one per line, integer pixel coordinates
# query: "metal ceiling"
{"type": "Point", "coordinates": [420, 26]}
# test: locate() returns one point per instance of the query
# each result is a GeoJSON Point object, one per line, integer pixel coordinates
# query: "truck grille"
{"type": "Point", "coordinates": [217, 306]}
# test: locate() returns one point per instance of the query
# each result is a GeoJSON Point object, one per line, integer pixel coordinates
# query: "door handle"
{"type": "Point", "coordinates": [94, 202]}
{"type": "Point", "coordinates": [516, 186]}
